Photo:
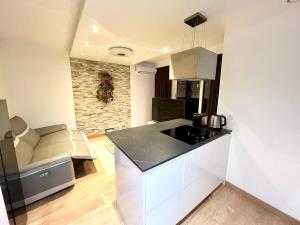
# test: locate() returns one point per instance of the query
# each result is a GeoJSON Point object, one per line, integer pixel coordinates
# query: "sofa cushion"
{"type": "Point", "coordinates": [51, 150]}
{"type": "Point", "coordinates": [18, 125]}
{"type": "Point", "coordinates": [61, 136]}
{"type": "Point", "coordinates": [24, 153]}
{"type": "Point", "coordinates": [31, 137]}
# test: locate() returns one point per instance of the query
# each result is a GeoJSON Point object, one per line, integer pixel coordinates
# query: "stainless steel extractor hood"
{"type": "Point", "coordinates": [196, 63]}
{"type": "Point", "coordinates": [193, 64]}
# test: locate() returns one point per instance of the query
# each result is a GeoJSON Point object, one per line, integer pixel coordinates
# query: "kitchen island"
{"type": "Point", "coordinates": [160, 179]}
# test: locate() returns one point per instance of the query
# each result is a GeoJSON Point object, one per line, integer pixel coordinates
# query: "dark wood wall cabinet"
{"type": "Point", "coordinates": [163, 86]}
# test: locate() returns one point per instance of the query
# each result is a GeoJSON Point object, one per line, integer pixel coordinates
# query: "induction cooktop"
{"type": "Point", "coordinates": [190, 135]}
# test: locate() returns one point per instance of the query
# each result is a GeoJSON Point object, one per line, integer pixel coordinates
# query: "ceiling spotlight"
{"type": "Point", "coordinates": [166, 49]}
{"type": "Point", "coordinates": [95, 29]}
{"type": "Point", "coordinates": [120, 51]}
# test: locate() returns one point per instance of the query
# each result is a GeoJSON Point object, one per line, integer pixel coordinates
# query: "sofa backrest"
{"type": "Point", "coordinates": [22, 131]}
{"type": "Point", "coordinates": [24, 153]}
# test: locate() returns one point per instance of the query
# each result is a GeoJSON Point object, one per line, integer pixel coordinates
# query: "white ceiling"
{"type": "Point", "coordinates": [146, 26]}
{"type": "Point", "coordinates": [45, 22]}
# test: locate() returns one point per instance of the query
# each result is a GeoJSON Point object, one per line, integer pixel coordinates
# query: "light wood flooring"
{"type": "Point", "coordinates": [93, 201]}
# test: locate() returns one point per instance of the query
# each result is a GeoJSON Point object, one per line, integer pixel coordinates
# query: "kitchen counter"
{"type": "Point", "coordinates": [147, 147]}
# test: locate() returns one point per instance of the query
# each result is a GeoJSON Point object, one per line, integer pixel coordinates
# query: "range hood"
{"type": "Point", "coordinates": [196, 63]}
{"type": "Point", "coordinates": [193, 64]}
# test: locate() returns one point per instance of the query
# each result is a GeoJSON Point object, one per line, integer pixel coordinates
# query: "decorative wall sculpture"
{"type": "Point", "coordinates": [105, 88]}
{"type": "Point", "coordinates": [92, 116]}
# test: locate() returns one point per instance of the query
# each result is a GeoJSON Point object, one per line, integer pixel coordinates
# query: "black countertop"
{"type": "Point", "coordinates": [147, 147]}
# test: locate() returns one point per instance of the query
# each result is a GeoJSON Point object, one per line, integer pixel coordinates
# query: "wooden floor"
{"type": "Point", "coordinates": [229, 207]}
{"type": "Point", "coordinates": [93, 201]}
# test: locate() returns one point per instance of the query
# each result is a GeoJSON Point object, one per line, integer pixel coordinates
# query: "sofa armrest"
{"type": "Point", "coordinates": [51, 129]}
{"type": "Point", "coordinates": [45, 164]}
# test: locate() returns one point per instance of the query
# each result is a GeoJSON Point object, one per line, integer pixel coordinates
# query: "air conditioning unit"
{"type": "Point", "coordinates": [148, 68]}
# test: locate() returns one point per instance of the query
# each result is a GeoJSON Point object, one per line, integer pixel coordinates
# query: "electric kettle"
{"type": "Point", "coordinates": [217, 121]}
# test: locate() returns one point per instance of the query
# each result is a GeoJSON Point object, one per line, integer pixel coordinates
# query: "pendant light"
{"type": "Point", "coordinates": [196, 63]}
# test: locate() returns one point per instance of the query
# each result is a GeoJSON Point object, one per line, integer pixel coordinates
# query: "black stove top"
{"type": "Point", "coordinates": [190, 135]}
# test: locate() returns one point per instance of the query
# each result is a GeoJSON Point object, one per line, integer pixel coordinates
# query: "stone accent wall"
{"type": "Point", "coordinates": [92, 116]}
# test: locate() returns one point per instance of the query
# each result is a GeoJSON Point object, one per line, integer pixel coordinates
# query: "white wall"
{"type": "Point", "coordinates": [260, 86]}
{"type": "Point", "coordinates": [2, 84]}
{"type": "Point", "coordinates": [38, 83]}
{"type": "Point", "coordinates": [142, 92]}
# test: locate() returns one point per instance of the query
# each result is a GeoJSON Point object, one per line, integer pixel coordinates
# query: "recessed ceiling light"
{"type": "Point", "coordinates": [120, 51]}
{"type": "Point", "coordinates": [87, 44]}
{"type": "Point", "coordinates": [81, 52]}
{"type": "Point", "coordinates": [166, 49]}
{"type": "Point", "coordinates": [95, 29]}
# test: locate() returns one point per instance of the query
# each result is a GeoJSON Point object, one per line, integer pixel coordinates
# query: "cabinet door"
{"type": "Point", "coordinates": [162, 182]}
{"type": "Point", "coordinates": [129, 188]}
{"type": "Point", "coordinates": [203, 161]}
{"type": "Point", "coordinates": [200, 188]}
{"type": "Point", "coordinates": [166, 213]}
{"type": "Point", "coordinates": [205, 169]}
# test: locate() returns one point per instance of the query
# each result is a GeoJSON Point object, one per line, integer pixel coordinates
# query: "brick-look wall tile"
{"type": "Point", "coordinates": [92, 116]}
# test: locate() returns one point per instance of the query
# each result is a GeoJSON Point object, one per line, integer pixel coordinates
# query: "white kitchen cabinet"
{"type": "Point", "coordinates": [167, 212]}
{"type": "Point", "coordinates": [162, 182]}
{"type": "Point", "coordinates": [167, 193]}
{"type": "Point", "coordinates": [204, 160]}
{"type": "Point", "coordinates": [130, 190]}
{"type": "Point", "coordinates": [205, 169]}
{"type": "Point", "coordinates": [148, 198]}
{"type": "Point", "coordinates": [199, 189]}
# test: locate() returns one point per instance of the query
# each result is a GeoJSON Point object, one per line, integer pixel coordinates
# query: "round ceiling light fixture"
{"type": "Point", "coordinates": [120, 51]}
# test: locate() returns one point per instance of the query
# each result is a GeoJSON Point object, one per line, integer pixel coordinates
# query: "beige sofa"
{"type": "Point", "coordinates": [45, 155]}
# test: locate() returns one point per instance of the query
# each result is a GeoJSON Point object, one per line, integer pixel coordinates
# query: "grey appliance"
{"type": "Point", "coordinates": [193, 64]}
{"type": "Point", "coordinates": [217, 121]}
{"type": "Point", "coordinates": [200, 120]}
